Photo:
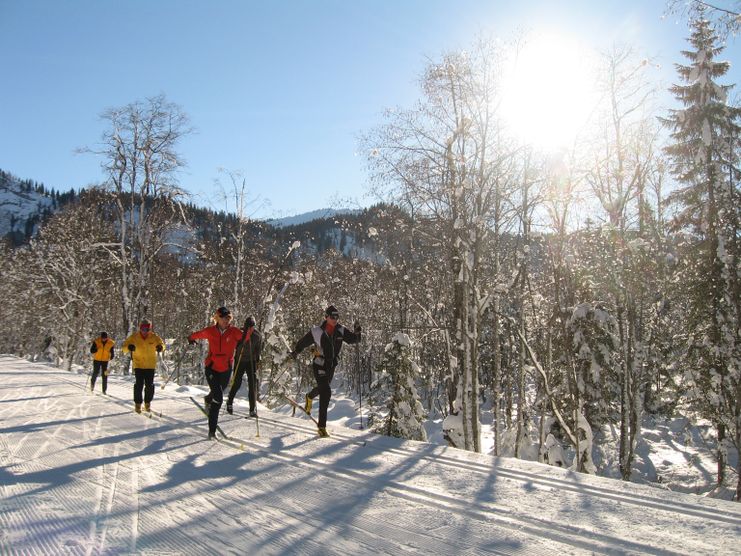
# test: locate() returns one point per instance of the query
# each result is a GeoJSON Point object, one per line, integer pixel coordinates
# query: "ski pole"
{"type": "Point", "coordinates": [175, 372]}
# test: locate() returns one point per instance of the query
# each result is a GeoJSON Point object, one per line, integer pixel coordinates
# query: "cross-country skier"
{"type": "Point", "coordinates": [222, 341]}
{"type": "Point", "coordinates": [327, 339]}
{"type": "Point", "coordinates": [143, 346]}
{"type": "Point", "coordinates": [103, 352]}
{"type": "Point", "coordinates": [247, 359]}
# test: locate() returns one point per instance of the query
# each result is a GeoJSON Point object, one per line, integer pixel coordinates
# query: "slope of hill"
{"type": "Point", "coordinates": [82, 473]}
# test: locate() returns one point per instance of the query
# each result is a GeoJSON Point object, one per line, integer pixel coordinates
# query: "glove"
{"type": "Point", "coordinates": [191, 342]}
{"type": "Point", "coordinates": [159, 348]}
{"type": "Point", "coordinates": [132, 347]}
{"type": "Point", "coordinates": [293, 355]}
{"type": "Point", "coordinates": [93, 348]}
{"type": "Point", "coordinates": [357, 328]}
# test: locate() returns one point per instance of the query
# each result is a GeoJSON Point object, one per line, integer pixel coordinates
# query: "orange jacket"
{"type": "Point", "coordinates": [103, 349]}
{"type": "Point", "coordinates": [221, 346]}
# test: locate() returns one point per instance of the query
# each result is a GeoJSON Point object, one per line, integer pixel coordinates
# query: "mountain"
{"type": "Point", "coordinates": [320, 214]}
{"type": "Point", "coordinates": [24, 204]}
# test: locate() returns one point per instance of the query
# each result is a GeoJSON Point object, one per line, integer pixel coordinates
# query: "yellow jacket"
{"type": "Point", "coordinates": [145, 354]}
{"type": "Point", "coordinates": [104, 350]}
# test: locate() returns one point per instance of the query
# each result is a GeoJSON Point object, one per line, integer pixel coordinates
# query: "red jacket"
{"type": "Point", "coordinates": [221, 346]}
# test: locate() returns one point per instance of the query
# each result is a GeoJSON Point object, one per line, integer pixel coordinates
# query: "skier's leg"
{"type": "Point", "coordinates": [138, 386]}
{"type": "Point", "coordinates": [104, 375]}
{"type": "Point", "coordinates": [252, 389]}
{"type": "Point", "coordinates": [96, 370]}
{"type": "Point", "coordinates": [325, 393]}
{"type": "Point", "coordinates": [148, 385]}
{"type": "Point", "coordinates": [219, 382]}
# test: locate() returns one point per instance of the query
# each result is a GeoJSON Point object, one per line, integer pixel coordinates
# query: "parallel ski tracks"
{"type": "Point", "coordinates": [505, 518]}
{"type": "Point", "coordinates": [533, 478]}
{"type": "Point", "coordinates": [484, 511]}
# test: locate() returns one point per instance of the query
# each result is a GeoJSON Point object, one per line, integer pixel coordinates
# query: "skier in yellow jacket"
{"type": "Point", "coordinates": [143, 346]}
{"type": "Point", "coordinates": [102, 350]}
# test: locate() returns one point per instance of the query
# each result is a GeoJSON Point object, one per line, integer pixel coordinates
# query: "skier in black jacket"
{"type": "Point", "coordinates": [327, 339]}
{"type": "Point", "coordinates": [247, 358]}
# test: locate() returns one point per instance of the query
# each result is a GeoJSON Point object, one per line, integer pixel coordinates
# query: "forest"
{"type": "Point", "coordinates": [561, 294]}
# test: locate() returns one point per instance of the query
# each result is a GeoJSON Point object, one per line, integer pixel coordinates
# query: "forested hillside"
{"type": "Point", "coordinates": [565, 298]}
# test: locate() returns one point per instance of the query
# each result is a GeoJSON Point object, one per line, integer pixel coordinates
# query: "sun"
{"type": "Point", "coordinates": [549, 91]}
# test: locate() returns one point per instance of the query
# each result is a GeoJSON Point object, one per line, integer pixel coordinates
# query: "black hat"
{"type": "Point", "coordinates": [331, 311]}
{"type": "Point", "coordinates": [104, 334]}
{"type": "Point", "coordinates": [223, 312]}
{"type": "Point", "coordinates": [249, 322]}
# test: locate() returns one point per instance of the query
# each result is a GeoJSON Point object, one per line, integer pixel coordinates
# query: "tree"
{"type": "Point", "coordinates": [704, 152]}
{"type": "Point", "coordinates": [394, 390]}
{"type": "Point", "coordinates": [447, 161]}
{"type": "Point", "coordinates": [141, 165]}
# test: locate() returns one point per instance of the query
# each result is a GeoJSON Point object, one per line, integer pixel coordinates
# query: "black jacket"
{"type": "Point", "coordinates": [247, 354]}
{"type": "Point", "coordinates": [330, 346]}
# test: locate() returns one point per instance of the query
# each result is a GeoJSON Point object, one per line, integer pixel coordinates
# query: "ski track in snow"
{"type": "Point", "coordinates": [83, 474]}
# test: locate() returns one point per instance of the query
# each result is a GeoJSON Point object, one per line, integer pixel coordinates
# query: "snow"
{"type": "Point", "coordinates": [83, 474]}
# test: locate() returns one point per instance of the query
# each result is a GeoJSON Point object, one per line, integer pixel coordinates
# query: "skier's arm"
{"type": "Point", "coordinates": [352, 337]}
{"type": "Point", "coordinates": [303, 343]}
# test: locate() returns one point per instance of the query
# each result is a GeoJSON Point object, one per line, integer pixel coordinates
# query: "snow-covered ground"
{"type": "Point", "coordinates": [83, 474]}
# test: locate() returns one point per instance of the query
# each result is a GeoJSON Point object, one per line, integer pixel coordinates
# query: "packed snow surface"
{"type": "Point", "coordinates": [81, 473]}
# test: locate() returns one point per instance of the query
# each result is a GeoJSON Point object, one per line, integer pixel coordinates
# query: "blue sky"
{"type": "Point", "coordinates": [279, 90]}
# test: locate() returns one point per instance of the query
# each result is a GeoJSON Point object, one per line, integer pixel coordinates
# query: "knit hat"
{"type": "Point", "coordinates": [104, 334]}
{"type": "Point", "coordinates": [223, 312]}
{"type": "Point", "coordinates": [249, 322]}
{"type": "Point", "coordinates": [331, 311]}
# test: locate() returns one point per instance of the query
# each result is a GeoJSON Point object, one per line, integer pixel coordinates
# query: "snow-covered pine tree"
{"type": "Point", "coordinates": [704, 151]}
{"type": "Point", "coordinates": [397, 410]}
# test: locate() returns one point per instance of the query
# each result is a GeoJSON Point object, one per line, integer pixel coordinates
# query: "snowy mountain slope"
{"type": "Point", "coordinates": [303, 218]}
{"type": "Point", "coordinates": [18, 205]}
{"type": "Point", "coordinates": [82, 473]}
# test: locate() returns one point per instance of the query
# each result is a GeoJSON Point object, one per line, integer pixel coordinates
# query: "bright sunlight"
{"type": "Point", "coordinates": [549, 91]}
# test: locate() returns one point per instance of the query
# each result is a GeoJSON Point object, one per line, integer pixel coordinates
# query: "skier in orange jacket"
{"type": "Point", "coordinates": [222, 341]}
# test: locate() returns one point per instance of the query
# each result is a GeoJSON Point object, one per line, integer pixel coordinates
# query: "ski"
{"type": "Point", "coordinates": [294, 403]}
{"type": "Point", "coordinates": [203, 410]}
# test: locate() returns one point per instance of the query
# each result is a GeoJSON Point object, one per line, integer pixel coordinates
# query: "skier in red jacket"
{"type": "Point", "coordinates": [222, 341]}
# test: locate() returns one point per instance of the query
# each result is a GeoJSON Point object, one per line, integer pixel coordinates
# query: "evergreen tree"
{"type": "Point", "coordinates": [705, 136]}
{"type": "Point", "coordinates": [395, 389]}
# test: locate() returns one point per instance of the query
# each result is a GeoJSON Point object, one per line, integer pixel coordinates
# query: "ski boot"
{"type": "Point", "coordinates": [212, 436]}
{"type": "Point", "coordinates": [253, 413]}
{"type": "Point", "coordinates": [323, 432]}
{"type": "Point", "coordinates": [146, 407]}
{"type": "Point", "coordinates": [229, 408]}
{"type": "Point", "coordinates": [138, 407]}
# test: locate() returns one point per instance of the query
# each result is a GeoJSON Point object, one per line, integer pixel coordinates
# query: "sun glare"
{"type": "Point", "coordinates": [549, 91]}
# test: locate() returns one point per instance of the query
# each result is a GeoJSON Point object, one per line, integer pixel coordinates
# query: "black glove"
{"type": "Point", "coordinates": [132, 347]}
{"type": "Point", "coordinates": [93, 348]}
{"type": "Point", "coordinates": [191, 342]}
{"type": "Point", "coordinates": [159, 348]}
{"type": "Point", "coordinates": [357, 328]}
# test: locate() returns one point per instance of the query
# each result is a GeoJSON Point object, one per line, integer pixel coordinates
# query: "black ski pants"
{"type": "Point", "coordinates": [217, 383]}
{"type": "Point", "coordinates": [322, 389]}
{"type": "Point", "coordinates": [144, 379]}
{"type": "Point", "coordinates": [99, 367]}
{"type": "Point", "coordinates": [248, 369]}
